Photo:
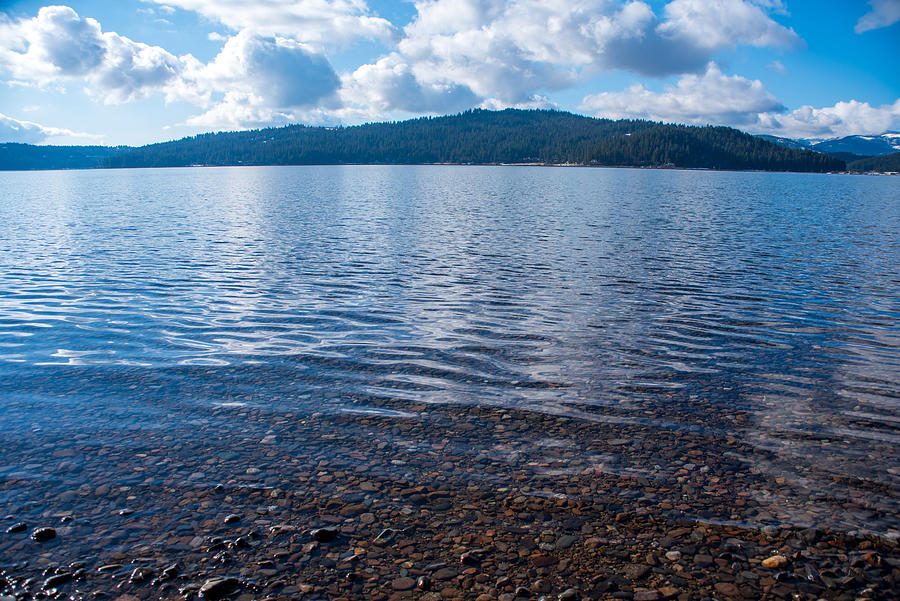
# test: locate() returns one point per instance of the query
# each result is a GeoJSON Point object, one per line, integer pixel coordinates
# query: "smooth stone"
{"type": "Point", "coordinates": [404, 583]}
{"type": "Point", "coordinates": [56, 581]}
{"type": "Point", "coordinates": [42, 535]}
{"type": "Point", "coordinates": [232, 518]}
{"type": "Point", "coordinates": [140, 574]}
{"type": "Point", "coordinates": [566, 541]}
{"type": "Point", "coordinates": [542, 586]}
{"type": "Point", "coordinates": [19, 527]}
{"type": "Point", "coordinates": [324, 535]}
{"type": "Point", "coordinates": [776, 561]}
{"type": "Point", "coordinates": [522, 592]}
{"type": "Point", "coordinates": [728, 589]}
{"type": "Point", "coordinates": [673, 555]}
{"type": "Point", "coordinates": [569, 594]}
{"type": "Point", "coordinates": [216, 588]}
{"type": "Point", "coordinates": [445, 574]}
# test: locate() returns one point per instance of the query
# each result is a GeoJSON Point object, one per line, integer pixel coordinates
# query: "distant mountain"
{"type": "Point", "coordinates": [473, 137]}
{"type": "Point", "coordinates": [882, 164]}
{"type": "Point", "coordinates": [845, 148]}
{"type": "Point", "coordinates": [485, 137]}
{"type": "Point", "coordinates": [25, 157]}
{"type": "Point", "coordinates": [886, 143]}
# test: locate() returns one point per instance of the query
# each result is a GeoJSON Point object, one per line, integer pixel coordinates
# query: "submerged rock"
{"type": "Point", "coordinates": [42, 535]}
{"type": "Point", "coordinates": [216, 588]}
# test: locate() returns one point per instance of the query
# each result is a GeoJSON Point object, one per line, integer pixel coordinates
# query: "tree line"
{"type": "Point", "coordinates": [485, 137]}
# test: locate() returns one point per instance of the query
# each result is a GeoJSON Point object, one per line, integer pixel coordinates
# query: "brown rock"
{"type": "Point", "coordinates": [404, 583]}
{"type": "Point", "coordinates": [728, 589]}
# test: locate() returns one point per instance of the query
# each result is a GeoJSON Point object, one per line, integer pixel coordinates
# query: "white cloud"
{"type": "Point", "coordinates": [58, 43]}
{"type": "Point", "coordinates": [254, 80]}
{"type": "Point", "coordinates": [390, 84]}
{"type": "Point", "coordinates": [263, 80]}
{"type": "Point", "coordinates": [883, 13]}
{"type": "Point", "coordinates": [719, 24]}
{"type": "Point", "coordinates": [842, 119]}
{"type": "Point", "coordinates": [322, 22]}
{"type": "Point", "coordinates": [511, 52]}
{"type": "Point", "coordinates": [28, 132]}
{"type": "Point", "coordinates": [711, 98]}
{"type": "Point", "coordinates": [719, 99]}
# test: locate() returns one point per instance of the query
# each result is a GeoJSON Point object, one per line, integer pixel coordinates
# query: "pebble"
{"type": "Point", "coordinates": [776, 561]}
{"type": "Point", "coordinates": [42, 535]}
{"type": "Point", "coordinates": [216, 588]}
{"type": "Point", "coordinates": [56, 581]}
{"type": "Point", "coordinates": [17, 527]}
{"type": "Point", "coordinates": [324, 535]}
{"type": "Point", "coordinates": [404, 583]}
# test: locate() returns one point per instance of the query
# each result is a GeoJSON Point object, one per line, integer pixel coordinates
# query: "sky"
{"type": "Point", "coordinates": [141, 71]}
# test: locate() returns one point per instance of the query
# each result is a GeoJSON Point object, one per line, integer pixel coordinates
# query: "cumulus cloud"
{"type": "Point", "coordinates": [511, 52]}
{"type": "Point", "coordinates": [842, 119]}
{"type": "Point", "coordinates": [718, 24]}
{"type": "Point", "coordinates": [390, 84]}
{"type": "Point", "coordinates": [321, 22]}
{"type": "Point", "coordinates": [59, 44]}
{"type": "Point", "coordinates": [254, 80]}
{"type": "Point", "coordinates": [28, 132]}
{"type": "Point", "coordinates": [883, 13]}
{"type": "Point", "coordinates": [262, 78]}
{"type": "Point", "coordinates": [713, 97]}
{"type": "Point", "coordinates": [719, 99]}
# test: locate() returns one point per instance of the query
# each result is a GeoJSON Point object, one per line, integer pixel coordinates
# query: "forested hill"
{"type": "Point", "coordinates": [888, 162]}
{"type": "Point", "coordinates": [485, 137]}
{"type": "Point", "coordinates": [24, 157]}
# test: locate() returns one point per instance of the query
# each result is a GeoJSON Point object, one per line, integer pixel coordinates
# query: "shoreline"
{"type": "Point", "coordinates": [568, 165]}
{"type": "Point", "coordinates": [483, 503]}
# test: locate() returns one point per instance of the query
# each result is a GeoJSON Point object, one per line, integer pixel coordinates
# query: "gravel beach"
{"type": "Point", "coordinates": [426, 502]}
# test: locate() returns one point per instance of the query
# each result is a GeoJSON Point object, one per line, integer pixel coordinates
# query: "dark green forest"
{"type": "Point", "coordinates": [473, 137]}
{"type": "Point", "coordinates": [888, 162]}
{"type": "Point", "coordinates": [485, 137]}
{"type": "Point", "coordinates": [26, 157]}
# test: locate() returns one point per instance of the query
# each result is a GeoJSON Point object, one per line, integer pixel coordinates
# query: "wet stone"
{"type": "Point", "coordinates": [404, 583]}
{"type": "Point", "coordinates": [57, 580]}
{"type": "Point", "coordinates": [445, 574]}
{"type": "Point", "coordinates": [217, 588]}
{"type": "Point", "coordinates": [42, 535]}
{"type": "Point", "coordinates": [17, 527]}
{"type": "Point", "coordinates": [324, 535]}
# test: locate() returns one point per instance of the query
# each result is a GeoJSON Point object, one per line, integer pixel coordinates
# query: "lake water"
{"type": "Point", "coordinates": [752, 307]}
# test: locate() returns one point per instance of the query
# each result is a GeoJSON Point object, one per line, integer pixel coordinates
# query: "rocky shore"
{"type": "Point", "coordinates": [423, 502]}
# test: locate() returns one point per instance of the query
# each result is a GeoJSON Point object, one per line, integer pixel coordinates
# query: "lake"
{"type": "Point", "coordinates": [166, 330]}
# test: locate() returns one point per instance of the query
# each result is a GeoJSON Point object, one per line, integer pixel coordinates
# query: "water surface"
{"type": "Point", "coordinates": [755, 306]}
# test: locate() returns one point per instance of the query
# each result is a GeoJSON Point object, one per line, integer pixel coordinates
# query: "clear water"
{"type": "Point", "coordinates": [764, 307]}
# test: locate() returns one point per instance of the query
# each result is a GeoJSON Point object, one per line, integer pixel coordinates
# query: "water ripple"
{"type": "Point", "coordinates": [757, 306]}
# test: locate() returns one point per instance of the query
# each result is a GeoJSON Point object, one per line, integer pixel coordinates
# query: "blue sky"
{"type": "Point", "coordinates": [140, 71]}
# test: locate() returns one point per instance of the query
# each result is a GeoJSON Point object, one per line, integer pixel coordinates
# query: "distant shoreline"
{"type": "Point", "coordinates": [557, 165]}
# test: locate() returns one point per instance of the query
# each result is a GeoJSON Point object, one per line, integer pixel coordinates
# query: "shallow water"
{"type": "Point", "coordinates": [753, 306]}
